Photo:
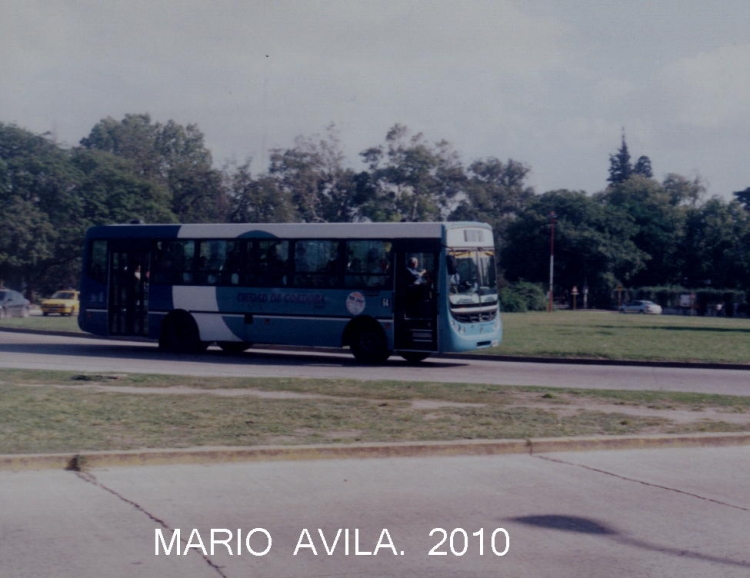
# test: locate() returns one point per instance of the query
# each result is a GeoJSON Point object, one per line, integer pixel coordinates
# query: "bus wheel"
{"type": "Point", "coordinates": [233, 347]}
{"type": "Point", "coordinates": [179, 334]}
{"type": "Point", "coordinates": [414, 356]}
{"type": "Point", "coordinates": [369, 345]}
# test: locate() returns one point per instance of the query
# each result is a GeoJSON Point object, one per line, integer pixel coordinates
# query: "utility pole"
{"type": "Point", "coordinates": [552, 220]}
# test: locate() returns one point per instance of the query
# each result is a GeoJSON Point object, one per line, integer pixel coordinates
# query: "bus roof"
{"type": "Point", "coordinates": [437, 230]}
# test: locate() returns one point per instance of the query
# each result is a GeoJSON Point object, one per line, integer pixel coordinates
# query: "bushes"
{"type": "Point", "coordinates": [523, 296]}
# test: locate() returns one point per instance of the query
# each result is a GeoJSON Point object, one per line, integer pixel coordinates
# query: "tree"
{"type": "Point", "coordinates": [169, 155]}
{"type": "Point", "coordinates": [683, 191]}
{"type": "Point", "coordinates": [133, 138]}
{"type": "Point", "coordinates": [592, 244]}
{"type": "Point", "coordinates": [313, 175]}
{"type": "Point", "coordinates": [620, 167]}
{"type": "Point", "coordinates": [111, 191]}
{"type": "Point", "coordinates": [659, 228]}
{"type": "Point", "coordinates": [259, 200]}
{"type": "Point", "coordinates": [27, 243]}
{"type": "Point", "coordinates": [37, 192]}
{"type": "Point", "coordinates": [413, 180]}
{"type": "Point", "coordinates": [716, 245]}
{"type": "Point", "coordinates": [643, 167]}
{"type": "Point", "coordinates": [744, 198]}
{"type": "Point", "coordinates": [496, 193]}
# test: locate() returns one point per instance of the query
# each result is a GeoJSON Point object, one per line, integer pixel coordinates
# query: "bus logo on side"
{"type": "Point", "coordinates": [355, 303]}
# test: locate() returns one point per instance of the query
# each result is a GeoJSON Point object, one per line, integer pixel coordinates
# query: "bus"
{"type": "Point", "coordinates": [413, 289]}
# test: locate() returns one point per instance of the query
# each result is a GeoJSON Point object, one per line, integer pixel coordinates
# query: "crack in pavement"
{"type": "Point", "coordinates": [643, 482]}
{"type": "Point", "coordinates": [91, 479]}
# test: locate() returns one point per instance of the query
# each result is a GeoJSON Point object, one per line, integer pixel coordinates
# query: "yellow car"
{"type": "Point", "coordinates": [62, 302]}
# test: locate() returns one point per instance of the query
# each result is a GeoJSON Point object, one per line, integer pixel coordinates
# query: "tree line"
{"type": "Point", "coordinates": [635, 232]}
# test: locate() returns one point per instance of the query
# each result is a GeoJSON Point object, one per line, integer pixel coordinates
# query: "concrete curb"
{"type": "Point", "coordinates": [222, 455]}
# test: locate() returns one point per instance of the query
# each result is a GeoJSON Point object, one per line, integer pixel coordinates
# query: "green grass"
{"type": "Point", "coordinates": [41, 323]}
{"type": "Point", "coordinates": [610, 335]}
{"type": "Point", "coordinates": [44, 411]}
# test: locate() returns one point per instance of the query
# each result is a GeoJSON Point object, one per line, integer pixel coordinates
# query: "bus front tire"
{"type": "Point", "coordinates": [414, 356]}
{"type": "Point", "coordinates": [369, 345]}
{"type": "Point", "coordinates": [179, 334]}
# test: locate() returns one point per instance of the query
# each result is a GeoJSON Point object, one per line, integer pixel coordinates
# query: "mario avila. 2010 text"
{"type": "Point", "coordinates": [342, 541]}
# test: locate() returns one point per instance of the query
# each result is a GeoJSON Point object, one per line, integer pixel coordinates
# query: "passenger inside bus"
{"type": "Point", "coordinates": [415, 275]}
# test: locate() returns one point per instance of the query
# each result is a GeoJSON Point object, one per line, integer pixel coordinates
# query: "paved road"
{"type": "Point", "coordinates": [667, 513]}
{"type": "Point", "coordinates": [20, 350]}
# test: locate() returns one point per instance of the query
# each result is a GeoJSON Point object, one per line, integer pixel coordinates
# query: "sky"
{"type": "Point", "coordinates": [551, 84]}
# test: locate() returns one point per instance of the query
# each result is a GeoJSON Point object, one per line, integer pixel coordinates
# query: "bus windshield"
{"type": "Point", "coordinates": [472, 279]}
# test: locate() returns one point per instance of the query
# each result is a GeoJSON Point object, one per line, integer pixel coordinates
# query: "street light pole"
{"type": "Point", "coordinates": [552, 220]}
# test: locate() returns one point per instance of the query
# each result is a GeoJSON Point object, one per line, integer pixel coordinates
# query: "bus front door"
{"type": "Point", "coordinates": [128, 292]}
{"type": "Point", "coordinates": [415, 306]}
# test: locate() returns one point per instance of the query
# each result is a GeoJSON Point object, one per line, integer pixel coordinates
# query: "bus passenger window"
{"type": "Point", "coordinates": [174, 262]}
{"type": "Point", "coordinates": [369, 264]}
{"type": "Point", "coordinates": [230, 274]}
{"type": "Point", "coordinates": [98, 261]}
{"type": "Point", "coordinates": [268, 264]}
{"type": "Point", "coordinates": [212, 261]}
{"type": "Point", "coordinates": [316, 263]}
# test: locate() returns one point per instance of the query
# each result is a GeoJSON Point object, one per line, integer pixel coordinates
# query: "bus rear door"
{"type": "Point", "coordinates": [129, 266]}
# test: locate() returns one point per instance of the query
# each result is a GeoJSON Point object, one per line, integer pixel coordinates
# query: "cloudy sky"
{"type": "Point", "coordinates": [549, 83]}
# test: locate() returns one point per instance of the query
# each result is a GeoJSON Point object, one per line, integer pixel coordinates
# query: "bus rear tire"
{"type": "Point", "coordinates": [369, 345]}
{"type": "Point", "coordinates": [179, 334]}
{"type": "Point", "coordinates": [233, 347]}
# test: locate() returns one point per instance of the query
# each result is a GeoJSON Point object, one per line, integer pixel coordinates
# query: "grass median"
{"type": "Point", "coordinates": [49, 412]}
{"type": "Point", "coordinates": [614, 336]}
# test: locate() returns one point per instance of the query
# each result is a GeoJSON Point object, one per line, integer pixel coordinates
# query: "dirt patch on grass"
{"type": "Point", "coordinates": [567, 405]}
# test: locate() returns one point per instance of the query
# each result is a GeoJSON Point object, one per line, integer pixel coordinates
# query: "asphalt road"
{"type": "Point", "coordinates": [667, 513]}
{"type": "Point", "coordinates": [36, 351]}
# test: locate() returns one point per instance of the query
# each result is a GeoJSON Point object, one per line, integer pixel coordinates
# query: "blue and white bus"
{"type": "Point", "coordinates": [378, 288]}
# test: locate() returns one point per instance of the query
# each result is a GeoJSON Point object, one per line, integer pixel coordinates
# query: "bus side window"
{"type": "Point", "coordinates": [317, 263]}
{"type": "Point", "coordinates": [268, 263]}
{"type": "Point", "coordinates": [369, 264]}
{"type": "Point", "coordinates": [212, 261]}
{"type": "Point", "coordinates": [230, 274]}
{"type": "Point", "coordinates": [174, 262]}
{"type": "Point", "coordinates": [98, 261]}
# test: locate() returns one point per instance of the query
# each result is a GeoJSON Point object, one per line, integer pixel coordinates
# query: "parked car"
{"type": "Point", "coordinates": [13, 304]}
{"type": "Point", "coordinates": [62, 302]}
{"type": "Point", "coordinates": [641, 306]}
